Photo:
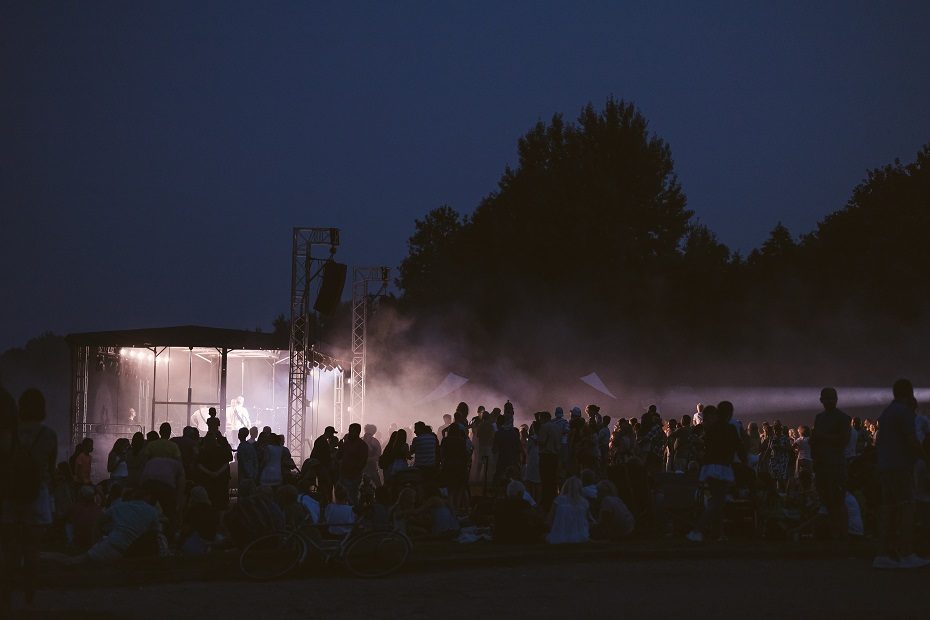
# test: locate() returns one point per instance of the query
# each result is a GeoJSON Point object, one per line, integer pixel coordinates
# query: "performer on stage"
{"type": "Point", "coordinates": [237, 416]}
{"type": "Point", "coordinates": [199, 420]}
{"type": "Point", "coordinates": [244, 416]}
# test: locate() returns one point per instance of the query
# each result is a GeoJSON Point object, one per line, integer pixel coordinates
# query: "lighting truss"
{"type": "Point", "coordinates": [361, 306]}
{"type": "Point", "coordinates": [305, 271]}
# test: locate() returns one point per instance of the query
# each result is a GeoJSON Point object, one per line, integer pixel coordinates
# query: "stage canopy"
{"type": "Point", "coordinates": [127, 381]}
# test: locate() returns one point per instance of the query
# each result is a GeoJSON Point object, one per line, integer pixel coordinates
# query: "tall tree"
{"type": "Point", "coordinates": [874, 252]}
{"type": "Point", "coordinates": [431, 255]}
{"type": "Point", "coordinates": [588, 220]}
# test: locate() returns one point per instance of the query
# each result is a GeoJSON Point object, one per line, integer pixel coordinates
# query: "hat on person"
{"type": "Point", "coordinates": [199, 496]}
{"type": "Point", "coordinates": [576, 412]}
{"type": "Point", "coordinates": [330, 431]}
{"type": "Point", "coordinates": [559, 413]}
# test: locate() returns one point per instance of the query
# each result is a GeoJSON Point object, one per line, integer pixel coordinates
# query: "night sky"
{"type": "Point", "coordinates": [154, 156]}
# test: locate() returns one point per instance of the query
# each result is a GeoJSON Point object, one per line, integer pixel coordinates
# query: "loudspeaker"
{"type": "Point", "coordinates": [334, 280]}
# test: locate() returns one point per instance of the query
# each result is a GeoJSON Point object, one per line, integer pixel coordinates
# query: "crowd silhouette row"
{"type": "Point", "coordinates": [557, 478]}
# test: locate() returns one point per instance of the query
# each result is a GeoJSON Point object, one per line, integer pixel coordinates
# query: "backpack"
{"type": "Point", "coordinates": [25, 475]}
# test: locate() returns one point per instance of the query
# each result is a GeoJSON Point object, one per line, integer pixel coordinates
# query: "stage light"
{"type": "Point", "coordinates": [351, 380]}
{"type": "Point", "coordinates": [349, 409]}
{"type": "Point", "coordinates": [123, 352]}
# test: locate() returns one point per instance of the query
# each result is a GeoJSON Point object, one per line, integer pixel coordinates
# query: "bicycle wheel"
{"type": "Point", "coordinates": [376, 554]}
{"type": "Point", "coordinates": [272, 556]}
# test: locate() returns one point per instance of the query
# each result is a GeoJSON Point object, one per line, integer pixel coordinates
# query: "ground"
{"type": "Point", "coordinates": [481, 582]}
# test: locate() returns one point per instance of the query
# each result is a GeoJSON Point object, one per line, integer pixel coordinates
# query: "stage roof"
{"type": "Point", "coordinates": [181, 336]}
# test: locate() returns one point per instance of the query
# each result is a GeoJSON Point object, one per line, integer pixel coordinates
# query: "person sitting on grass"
{"type": "Point", "coordinates": [307, 496]}
{"type": "Point", "coordinates": [568, 519]}
{"type": "Point", "coordinates": [339, 513]}
{"type": "Point", "coordinates": [254, 515]}
{"type": "Point", "coordinates": [515, 522]}
{"type": "Point", "coordinates": [403, 511]}
{"type": "Point", "coordinates": [200, 524]}
{"type": "Point", "coordinates": [614, 520]}
{"type": "Point", "coordinates": [295, 513]}
{"type": "Point", "coordinates": [132, 529]}
{"type": "Point", "coordinates": [438, 513]}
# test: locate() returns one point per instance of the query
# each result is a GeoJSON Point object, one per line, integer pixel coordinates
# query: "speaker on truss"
{"type": "Point", "coordinates": [334, 280]}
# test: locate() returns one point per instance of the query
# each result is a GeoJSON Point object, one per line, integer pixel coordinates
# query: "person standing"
{"type": "Point", "coordinates": [454, 458]}
{"type": "Point", "coordinates": [550, 445]}
{"type": "Point", "coordinates": [81, 461]}
{"type": "Point", "coordinates": [374, 453]}
{"type": "Point", "coordinates": [531, 467]}
{"type": "Point", "coordinates": [896, 451]}
{"type": "Point", "coordinates": [322, 451]}
{"type": "Point", "coordinates": [246, 457]}
{"type": "Point", "coordinates": [721, 446]}
{"type": "Point", "coordinates": [353, 456]}
{"type": "Point", "coordinates": [213, 469]}
{"type": "Point", "coordinates": [425, 448]}
{"type": "Point", "coordinates": [828, 447]}
{"type": "Point", "coordinates": [26, 509]}
{"type": "Point", "coordinates": [507, 450]}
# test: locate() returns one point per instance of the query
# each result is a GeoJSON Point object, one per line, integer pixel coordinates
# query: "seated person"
{"type": "Point", "coordinates": [254, 515]}
{"type": "Point", "coordinates": [381, 510]}
{"type": "Point", "coordinates": [614, 520]}
{"type": "Point", "coordinates": [308, 499]}
{"type": "Point", "coordinates": [200, 523]}
{"type": "Point", "coordinates": [514, 519]}
{"type": "Point", "coordinates": [569, 517]}
{"type": "Point", "coordinates": [295, 514]}
{"type": "Point", "coordinates": [340, 513]}
{"type": "Point", "coordinates": [403, 513]}
{"type": "Point", "coordinates": [438, 514]}
{"type": "Point", "coordinates": [127, 524]}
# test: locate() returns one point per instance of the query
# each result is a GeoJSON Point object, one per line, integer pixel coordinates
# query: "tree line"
{"type": "Point", "coordinates": [587, 243]}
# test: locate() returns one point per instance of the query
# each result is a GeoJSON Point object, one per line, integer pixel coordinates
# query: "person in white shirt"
{"type": "Point", "coordinates": [237, 416]}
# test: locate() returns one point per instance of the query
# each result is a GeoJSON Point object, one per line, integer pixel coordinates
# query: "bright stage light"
{"type": "Point", "coordinates": [349, 409]}
{"type": "Point", "coordinates": [350, 380]}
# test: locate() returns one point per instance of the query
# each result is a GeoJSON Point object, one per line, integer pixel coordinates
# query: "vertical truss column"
{"type": "Point", "coordinates": [302, 280]}
{"type": "Point", "coordinates": [361, 300]}
{"type": "Point", "coordinates": [338, 399]}
{"type": "Point", "coordinates": [80, 358]}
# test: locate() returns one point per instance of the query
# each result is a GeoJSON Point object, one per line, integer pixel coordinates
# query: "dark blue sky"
{"type": "Point", "coordinates": [154, 156]}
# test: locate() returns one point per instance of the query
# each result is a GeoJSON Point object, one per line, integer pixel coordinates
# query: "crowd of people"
{"type": "Point", "coordinates": [556, 478]}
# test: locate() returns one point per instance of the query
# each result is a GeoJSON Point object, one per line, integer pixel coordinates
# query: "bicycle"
{"type": "Point", "coordinates": [365, 553]}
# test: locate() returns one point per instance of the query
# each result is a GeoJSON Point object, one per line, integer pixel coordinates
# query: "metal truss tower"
{"type": "Point", "coordinates": [304, 272]}
{"type": "Point", "coordinates": [361, 306]}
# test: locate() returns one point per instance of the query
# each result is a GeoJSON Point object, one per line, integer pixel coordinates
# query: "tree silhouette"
{"type": "Point", "coordinates": [431, 255]}
{"type": "Point", "coordinates": [593, 212]}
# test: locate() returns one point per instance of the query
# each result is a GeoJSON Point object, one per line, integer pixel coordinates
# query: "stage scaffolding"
{"type": "Point", "coordinates": [176, 374]}
{"type": "Point", "coordinates": [305, 271]}
{"type": "Point", "coordinates": [361, 307]}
